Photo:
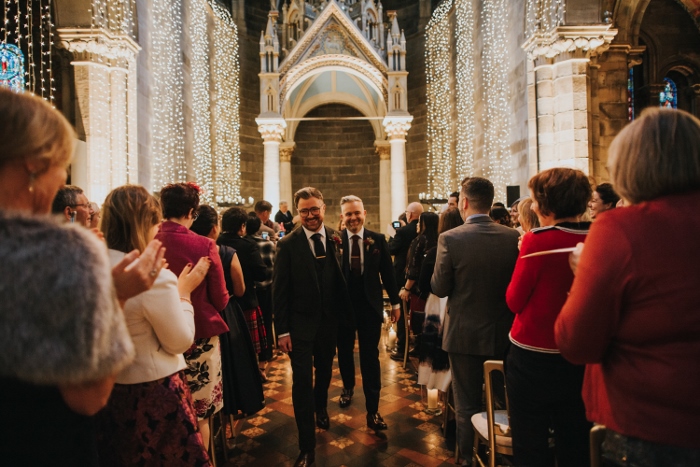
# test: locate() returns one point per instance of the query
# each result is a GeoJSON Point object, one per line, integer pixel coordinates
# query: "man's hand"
{"type": "Point", "coordinates": [132, 277]}
{"type": "Point", "coordinates": [395, 314]}
{"type": "Point", "coordinates": [285, 344]}
{"type": "Point", "coordinates": [575, 256]}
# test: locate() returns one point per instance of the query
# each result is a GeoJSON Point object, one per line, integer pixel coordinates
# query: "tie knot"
{"type": "Point", "coordinates": [316, 236]}
{"type": "Point", "coordinates": [355, 237]}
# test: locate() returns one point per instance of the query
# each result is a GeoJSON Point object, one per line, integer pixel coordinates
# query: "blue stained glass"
{"type": "Point", "coordinates": [669, 96]}
{"type": "Point", "coordinates": [11, 67]}
{"type": "Point", "coordinates": [630, 95]}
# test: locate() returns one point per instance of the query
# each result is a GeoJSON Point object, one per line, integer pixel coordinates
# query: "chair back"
{"type": "Point", "coordinates": [491, 366]}
{"type": "Point", "coordinates": [597, 438]}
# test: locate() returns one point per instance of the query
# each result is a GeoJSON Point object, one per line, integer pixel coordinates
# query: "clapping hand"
{"type": "Point", "coordinates": [132, 277]}
{"type": "Point", "coordinates": [191, 277]}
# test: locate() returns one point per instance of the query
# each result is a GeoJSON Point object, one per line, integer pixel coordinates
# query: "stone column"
{"type": "Point", "coordinates": [286, 192]}
{"type": "Point", "coordinates": [383, 149]}
{"type": "Point", "coordinates": [105, 65]}
{"type": "Point", "coordinates": [396, 128]}
{"type": "Point", "coordinates": [271, 131]}
{"type": "Point", "coordinates": [119, 125]}
{"type": "Point", "coordinates": [560, 84]}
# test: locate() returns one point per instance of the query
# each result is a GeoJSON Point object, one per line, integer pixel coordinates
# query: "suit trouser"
{"type": "Point", "coordinates": [467, 389]}
{"type": "Point", "coordinates": [369, 331]}
{"type": "Point", "coordinates": [308, 395]}
{"type": "Point", "coordinates": [264, 295]}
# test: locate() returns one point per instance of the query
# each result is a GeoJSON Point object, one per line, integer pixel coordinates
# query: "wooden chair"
{"type": "Point", "coordinates": [597, 437]}
{"type": "Point", "coordinates": [491, 428]}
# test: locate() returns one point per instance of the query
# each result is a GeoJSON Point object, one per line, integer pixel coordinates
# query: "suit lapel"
{"type": "Point", "coordinates": [346, 252]}
{"type": "Point", "coordinates": [307, 256]}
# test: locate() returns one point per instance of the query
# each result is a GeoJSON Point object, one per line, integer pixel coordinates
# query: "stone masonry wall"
{"type": "Point", "coordinates": [338, 158]}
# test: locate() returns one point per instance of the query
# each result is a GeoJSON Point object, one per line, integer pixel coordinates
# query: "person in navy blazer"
{"type": "Point", "coordinates": [310, 299]}
{"type": "Point", "coordinates": [367, 268]}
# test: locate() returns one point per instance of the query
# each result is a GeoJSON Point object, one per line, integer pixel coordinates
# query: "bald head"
{"type": "Point", "coordinates": [413, 211]}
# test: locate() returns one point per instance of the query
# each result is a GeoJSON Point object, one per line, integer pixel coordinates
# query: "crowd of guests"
{"type": "Point", "coordinates": [131, 324]}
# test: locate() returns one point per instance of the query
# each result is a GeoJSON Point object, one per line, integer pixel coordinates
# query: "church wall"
{"type": "Point", "coordinates": [338, 157]}
{"type": "Point", "coordinates": [144, 109]}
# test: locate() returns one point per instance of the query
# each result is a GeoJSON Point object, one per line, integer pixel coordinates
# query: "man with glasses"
{"type": "Point", "coordinates": [73, 204]}
{"type": "Point", "coordinates": [398, 246]}
{"type": "Point", "coordinates": [310, 300]}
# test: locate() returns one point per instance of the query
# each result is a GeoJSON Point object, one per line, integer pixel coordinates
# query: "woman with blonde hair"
{"type": "Point", "coordinates": [632, 313]}
{"type": "Point", "coordinates": [64, 334]}
{"type": "Point", "coordinates": [526, 216]}
{"type": "Point", "coordinates": [150, 417]}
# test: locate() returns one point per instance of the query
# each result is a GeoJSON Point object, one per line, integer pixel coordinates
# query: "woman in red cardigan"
{"type": "Point", "coordinates": [544, 390]}
{"type": "Point", "coordinates": [182, 246]}
{"type": "Point", "coordinates": [633, 314]}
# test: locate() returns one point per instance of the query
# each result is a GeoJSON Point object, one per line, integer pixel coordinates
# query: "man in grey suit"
{"type": "Point", "coordinates": [473, 268]}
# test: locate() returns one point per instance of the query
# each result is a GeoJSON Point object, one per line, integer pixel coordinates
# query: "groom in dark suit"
{"type": "Point", "coordinates": [366, 266]}
{"type": "Point", "coordinates": [310, 299]}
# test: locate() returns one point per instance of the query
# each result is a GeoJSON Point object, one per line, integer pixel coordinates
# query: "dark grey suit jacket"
{"type": "Point", "coordinates": [473, 268]}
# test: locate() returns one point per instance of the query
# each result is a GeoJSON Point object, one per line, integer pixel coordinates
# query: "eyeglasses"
{"type": "Point", "coordinates": [87, 205]}
{"type": "Point", "coordinates": [313, 211]}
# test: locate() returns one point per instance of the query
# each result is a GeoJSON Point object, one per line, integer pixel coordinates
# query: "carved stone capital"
{"type": "Point", "coordinates": [271, 129]}
{"type": "Point", "coordinates": [99, 46]}
{"type": "Point", "coordinates": [383, 150]}
{"type": "Point", "coordinates": [571, 41]}
{"type": "Point", "coordinates": [287, 151]}
{"type": "Point", "coordinates": [396, 127]}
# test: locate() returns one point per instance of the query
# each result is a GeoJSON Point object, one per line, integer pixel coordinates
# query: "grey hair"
{"type": "Point", "coordinates": [349, 199]}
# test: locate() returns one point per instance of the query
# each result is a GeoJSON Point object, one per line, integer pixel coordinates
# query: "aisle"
{"type": "Point", "coordinates": [413, 438]}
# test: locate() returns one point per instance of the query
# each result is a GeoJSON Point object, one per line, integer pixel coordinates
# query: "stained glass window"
{"type": "Point", "coordinates": [630, 95]}
{"type": "Point", "coordinates": [669, 96]}
{"type": "Point", "coordinates": [11, 67]}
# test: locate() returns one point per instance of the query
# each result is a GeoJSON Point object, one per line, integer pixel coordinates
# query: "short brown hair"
{"type": "Point", "coordinates": [562, 192]}
{"type": "Point", "coordinates": [479, 192]}
{"type": "Point", "coordinates": [262, 206]}
{"type": "Point", "coordinates": [128, 214]}
{"type": "Point", "coordinates": [306, 193]}
{"type": "Point", "coordinates": [178, 198]}
{"type": "Point", "coordinates": [658, 154]}
{"type": "Point", "coordinates": [31, 129]}
{"type": "Point", "coordinates": [67, 195]}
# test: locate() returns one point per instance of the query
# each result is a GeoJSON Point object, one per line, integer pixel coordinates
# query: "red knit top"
{"type": "Point", "coordinates": [634, 317]}
{"type": "Point", "coordinates": [540, 284]}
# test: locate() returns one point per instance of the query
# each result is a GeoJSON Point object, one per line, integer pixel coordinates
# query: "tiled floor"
{"type": "Point", "coordinates": [413, 438]}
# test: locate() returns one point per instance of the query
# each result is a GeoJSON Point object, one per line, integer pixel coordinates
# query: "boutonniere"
{"type": "Point", "coordinates": [336, 239]}
{"type": "Point", "coordinates": [368, 242]}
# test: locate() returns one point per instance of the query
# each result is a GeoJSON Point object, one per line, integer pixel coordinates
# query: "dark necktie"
{"type": "Point", "coordinates": [318, 246]}
{"type": "Point", "coordinates": [355, 263]}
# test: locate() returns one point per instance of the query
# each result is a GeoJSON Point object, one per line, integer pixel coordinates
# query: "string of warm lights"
{"type": "Point", "coordinates": [496, 94]}
{"type": "Point", "coordinates": [466, 89]}
{"type": "Point", "coordinates": [167, 88]}
{"type": "Point", "coordinates": [199, 89]}
{"type": "Point", "coordinates": [439, 100]}
{"type": "Point", "coordinates": [226, 115]}
{"type": "Point", "coordinates": [542, 15]}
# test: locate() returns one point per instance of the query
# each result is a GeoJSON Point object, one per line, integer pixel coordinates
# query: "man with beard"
{"type": "Point", "coordinates": [310, 299]}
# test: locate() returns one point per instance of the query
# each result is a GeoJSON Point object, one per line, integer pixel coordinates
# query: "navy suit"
{"type": "Point", "coordinates": [366, 296]}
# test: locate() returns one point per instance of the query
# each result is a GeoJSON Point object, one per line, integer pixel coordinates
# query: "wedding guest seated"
{"type": "Point", "coordinates": [150, 418]}
{"type": "Point", "coordinates": [544, 390]}
{"type": "Point", "coordinates": [632, 314]}
{"type": "Point", "coordinates": [604, 199]}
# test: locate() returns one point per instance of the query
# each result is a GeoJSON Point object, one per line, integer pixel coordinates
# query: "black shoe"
{"type": "Point", "coordinates": [345, 398]}
{"type": "Point", "coordinates": [305, 459]}
{"type": "Point", "coordinates": [322, 420]}
{"type": "Point", "coordinates": [375, 421]}
{"type": "Point", "coordinates": [397, 356]}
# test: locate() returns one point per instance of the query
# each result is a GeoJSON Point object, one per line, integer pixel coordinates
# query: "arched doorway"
{"type": "Point", "coordinates": [338, 157]}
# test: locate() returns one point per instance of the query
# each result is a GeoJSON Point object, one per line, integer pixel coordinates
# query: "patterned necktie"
{"type": "Point", "coordinates": [318, 246]}
{"type": "Point", "coordinates": [355, 263]}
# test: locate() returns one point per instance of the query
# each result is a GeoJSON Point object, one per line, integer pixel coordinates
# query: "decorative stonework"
{"type": "Point", "coordinates": [99, 46]}
{"type": "Point", "coordinates": [383, 151]}
{"type": "Point", "coordinates": [397, 127]}
{"type": "Point", "coordinates": [286, 152]}
{"type": "Point", "coordinates": [271, 131]}
{"type": "Point", "coordinates": [570, 42]}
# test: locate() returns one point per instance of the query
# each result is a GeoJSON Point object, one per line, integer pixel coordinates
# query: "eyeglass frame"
{"type": "Point", "coordinates": [315, 210]}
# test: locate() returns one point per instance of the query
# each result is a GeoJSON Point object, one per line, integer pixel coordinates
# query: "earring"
{"type": "Point", "coordinates": [32, 178]}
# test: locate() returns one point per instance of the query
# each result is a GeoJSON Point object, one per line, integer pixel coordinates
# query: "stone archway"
{"type": "Point", "coordinates": [338, 157]}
